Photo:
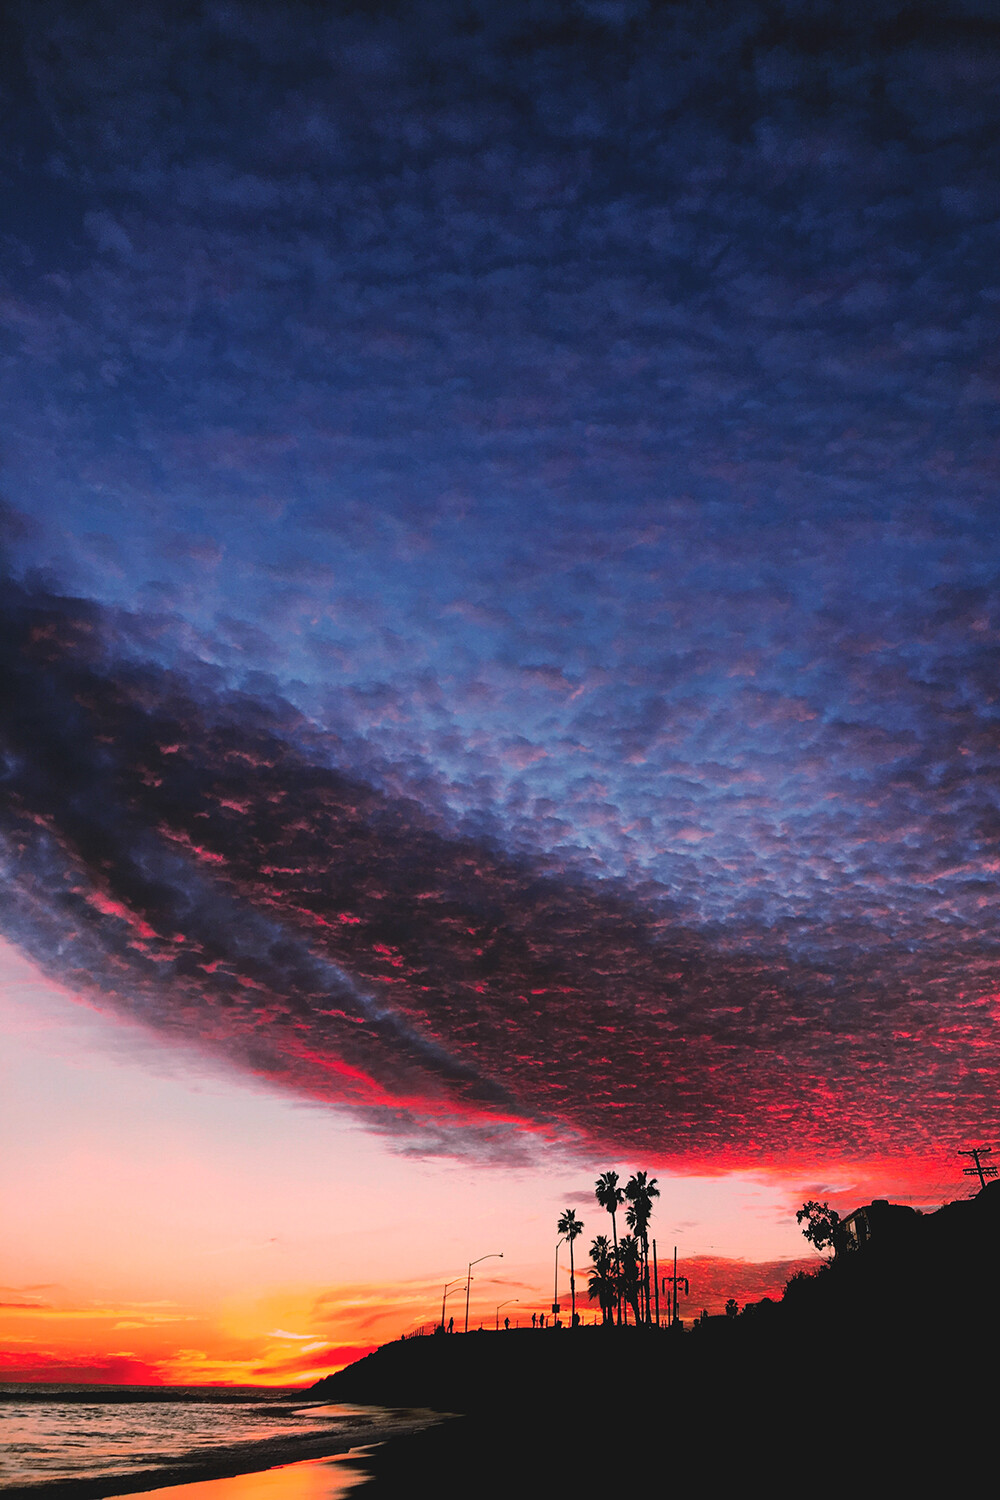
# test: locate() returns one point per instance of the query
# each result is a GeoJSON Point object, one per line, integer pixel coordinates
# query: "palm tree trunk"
{"type": "Point", "coordinates": [618, 1269]}
{"type": "Point", "coordinates": [572, 1285]}
{"type": "Point", "coordinates": [645, 1278]}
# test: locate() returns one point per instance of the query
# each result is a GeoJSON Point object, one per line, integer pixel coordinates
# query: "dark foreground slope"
{"type": "Point", "coordinates": [878, 1375]}
{"type": "Point", "coordinates": [798, 1411]}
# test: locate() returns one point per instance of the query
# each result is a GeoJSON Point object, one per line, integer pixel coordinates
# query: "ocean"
{"type": "Point", "coordinates": [93, 1439]}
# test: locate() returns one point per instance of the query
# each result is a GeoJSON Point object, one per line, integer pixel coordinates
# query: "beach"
{"type": "Point", "coordinates": [767, 1398]}
{"type": "Point", "coordinates": [311, 1479]}
{"type": "Point", "coordinates": [80, 1444]}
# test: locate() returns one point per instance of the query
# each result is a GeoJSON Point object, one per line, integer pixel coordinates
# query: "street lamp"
{"type": "Point", "coordinates": [496, 1255]}
{"type": "Point", "coordinates": [555, 1280]}
{"type": "Point", "coordinates": [457, 1282]}
{"type": "Point", "coordinates": [504, 1304]}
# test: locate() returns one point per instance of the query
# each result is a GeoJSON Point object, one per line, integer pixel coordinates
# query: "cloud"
{"type": "Point", "coordinates": [100, 1369]}
{"type": "Point", "coordinates": [514, 627]}
{"type": "Point", "coordinates": [714, 1279]}
{"type": "Point", "coordinates": [211, 863]}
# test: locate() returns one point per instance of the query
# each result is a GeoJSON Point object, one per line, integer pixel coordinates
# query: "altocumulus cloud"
{"type": "Point", "coordinates": [501, 627]}
{"type": "Point", "coordinates": [210, 861]}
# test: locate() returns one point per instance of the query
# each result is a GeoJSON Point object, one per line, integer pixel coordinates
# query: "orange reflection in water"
{"type": "Point", "coordinates": [312, 1479]}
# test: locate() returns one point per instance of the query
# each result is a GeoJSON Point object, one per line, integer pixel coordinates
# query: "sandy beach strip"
{"type": "Point", "coordinates": [360, 1431]}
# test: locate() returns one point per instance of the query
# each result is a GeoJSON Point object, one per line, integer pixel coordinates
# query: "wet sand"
{"type": "Point", "coordinates": [312, 1479]}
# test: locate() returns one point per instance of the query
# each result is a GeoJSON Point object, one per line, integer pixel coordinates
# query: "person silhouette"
{"type": "Point", "coordinates": [451, 1325]}
{"type": "Point", "coordinates": [506, 1324]}
{"type": "Point", "coordinates": [534, 1320]}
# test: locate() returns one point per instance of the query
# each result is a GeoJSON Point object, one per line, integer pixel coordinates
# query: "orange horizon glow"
{"type": "Point", "coordinates": [173, 1346]}
{"type": "Point", "coordinates": [181, 1225]}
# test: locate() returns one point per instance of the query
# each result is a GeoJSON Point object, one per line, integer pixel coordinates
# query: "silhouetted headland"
{"type": "Point", "coordinates": [876, 1370]}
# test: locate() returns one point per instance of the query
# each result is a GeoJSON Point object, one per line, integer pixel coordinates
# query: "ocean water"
{"type": "Point", "coordinates": [55, 1433]}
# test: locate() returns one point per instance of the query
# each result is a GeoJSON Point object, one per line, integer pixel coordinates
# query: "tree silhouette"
{"type": "Point", "coordinates": [630, 1256]}
{"type": "Point", "coordinates": [640, 1190]}
{"type": "Point", "coordinates": [602, 1283]}
{"type": "Point", "coordinates": [821, 1224]}
{"type": "Point", "coordinates": [611, 1197]}
{"type": "Point", "coordinates": [570, 1226]}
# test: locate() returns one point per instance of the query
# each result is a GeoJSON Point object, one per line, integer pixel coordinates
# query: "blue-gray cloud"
{"type": "Point", "coordinates": [577, 435]}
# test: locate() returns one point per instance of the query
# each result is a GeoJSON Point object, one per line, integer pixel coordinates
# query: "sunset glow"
{"type": "Point", "coordinates": [178, 1224]}
{"type": "Point", "coordinates": [499, 638]}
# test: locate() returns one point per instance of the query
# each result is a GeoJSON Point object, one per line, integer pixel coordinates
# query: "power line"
{"type": "Point", "coordinates": [979, 1170]}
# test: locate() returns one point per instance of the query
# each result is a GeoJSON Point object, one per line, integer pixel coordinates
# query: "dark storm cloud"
{"type": "Point", "coordinates": [516, 489]}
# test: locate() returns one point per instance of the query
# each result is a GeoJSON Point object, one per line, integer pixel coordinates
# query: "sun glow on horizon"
{"type": "Point", "coordinates": [182, 1225]}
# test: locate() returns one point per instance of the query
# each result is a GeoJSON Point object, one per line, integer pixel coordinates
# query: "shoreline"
{"type": "Point", "coordinates": [79, 1392]}
{"type": "Point", "coordinates": [237, 1459]}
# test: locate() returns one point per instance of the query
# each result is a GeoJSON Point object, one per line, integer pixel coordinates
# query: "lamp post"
{"type": "Point", "coordinates": [555, 1281]}
{"type": "Point", "coordinates": [503, 1304]}
{"type": "Point", "coordinates": [457, 1282]}
{"type": "Point", "coordinates": [496, 1255]}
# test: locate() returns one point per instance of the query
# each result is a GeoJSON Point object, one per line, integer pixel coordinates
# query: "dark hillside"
{"type": "Point", "coordinates": [881, 1367]}
{"type": "Point", "coordinates": [926, 1277]}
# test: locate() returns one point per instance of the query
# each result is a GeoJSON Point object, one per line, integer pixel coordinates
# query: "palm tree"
{"type": "Point", "coordinates": [635, 1218]}
{"type": "Point", "coordinates": [640, 1190]}
{"type": "Point", "coordinates": [630, 1257]}
{"type": "Point", "coordinates": [602, 1283]}
{"type": "Point", "coordinates": [570, 1226]}
{"type": "Point", "coordinates": [611, 1197]}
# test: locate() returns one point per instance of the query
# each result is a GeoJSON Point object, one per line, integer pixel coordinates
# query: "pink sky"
{"type": "Point", "coordinates": [499, 624]}
{"type": "Point", "coordinates": [176, 1221]}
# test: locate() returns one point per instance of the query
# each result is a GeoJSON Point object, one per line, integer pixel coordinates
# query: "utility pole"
{"type": "Point", "coordinates": [979, 1170]}
{"type": "Point", "coordinates": [673, 1320]}
{"type": "Point", "coordinates": [674, 1282]}
{"type": "Point", "coordinates": [656, 1287]}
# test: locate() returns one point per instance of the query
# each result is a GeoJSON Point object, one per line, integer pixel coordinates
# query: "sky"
{"type": "Point", "coordinates": [500, 640]}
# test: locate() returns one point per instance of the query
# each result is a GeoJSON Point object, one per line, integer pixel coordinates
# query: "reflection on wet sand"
{"type": "Point", "coordinates": [312, 1479]}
